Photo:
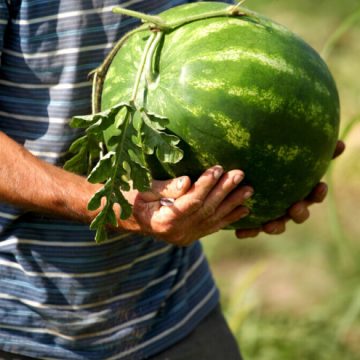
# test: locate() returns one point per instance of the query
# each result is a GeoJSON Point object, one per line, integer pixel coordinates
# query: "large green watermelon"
{"type": "Point", "coordinates": [236, 88]}
{"type": "Point", "coordinates": [243, 92]}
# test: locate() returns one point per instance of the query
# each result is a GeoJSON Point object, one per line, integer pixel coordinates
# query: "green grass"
{"type": "Point", "coordinates": [297, 296]}
{"type": "Point", "coordinates": [283, 337]}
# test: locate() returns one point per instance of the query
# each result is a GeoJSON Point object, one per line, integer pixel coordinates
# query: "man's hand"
{"type": "Point", "coordinates": [196, 210]}
{"type": "Point", "coordinates": [211, 203]}
{"type": "Point", "coordinates": [181, 213]}
{"type": "Point", "coordinates": [298, 212]}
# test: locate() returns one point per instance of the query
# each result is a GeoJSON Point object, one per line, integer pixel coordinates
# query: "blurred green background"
{"type": "Point", "coordinates": [297, 295]}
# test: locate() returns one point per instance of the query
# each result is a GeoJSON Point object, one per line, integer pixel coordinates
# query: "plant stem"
{"type": "Point", "coordinates": [211, 14]}
{"type": "Point", "coordinates": [156, 20]}
{"type": "Point", "coordinates": [351, 124]}
{"type": "Point", "coordinates": [343, 255]}
{"type": "Point", "coordinates": [344, 250]}
{"type": "Point", "coordinates": [94, 95]}
{"type": "Point", "coordinates": [149, 65]}
{"type": "Point", "coordinates": [162, 25]}
{"type": "Point", "coordinates": [140, 71]}
{"type": "Point", "coordinates": [340, 31]}
{"type": "Point", "coordinates": [100, 72]}
{"type": "Point", "coordinates": [350, 316]}
{"type": "Point", "coordinates": [237, 6]}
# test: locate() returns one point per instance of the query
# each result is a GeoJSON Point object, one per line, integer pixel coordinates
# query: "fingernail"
{"type": "Point", "coordinates": [180, 183]}
{"type": "Point", "coordinates": [237, 179]}
{"type": "Point", "coordinates": [218, 171]}
{"type": "Point", "coordinates": [245, 214]}
{"type": "Point", "coordinates": [248, 194]}
{"type": "Point", "coordinates": [273, 230]}
{"type": "Point", "coordinates": [167, 201]}
{"type": "Point", "coordinates": [324, 190]}
{"type": "Point", "coordinates": [299, 211]}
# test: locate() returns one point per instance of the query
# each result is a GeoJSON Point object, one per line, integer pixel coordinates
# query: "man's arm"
{"type": "Point", "coordinates": [211, 203]}
{"type": "Point", "coordinates": [33, 184]}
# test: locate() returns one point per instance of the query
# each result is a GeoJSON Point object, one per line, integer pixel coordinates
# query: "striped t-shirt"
{"type": "Point", "coordinates": [61, 295]}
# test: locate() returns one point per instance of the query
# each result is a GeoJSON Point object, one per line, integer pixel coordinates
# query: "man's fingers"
{"type": "Point", "coordinates": [223, 188]}
{"type": "Point", "coordinates": [318, 194]}
{"type": "Point", "coordinates": [299, 212]}
{"type": "Point", "coordinates": [340, 147]}
{"type": "Point", "coordinates": [247, 233]}
{"type": "Point", "coordinates": [172, 189]}
{"type": "Point", "coordinates": [233, 201]}
{"type": "Point", "coordinates": [235, 215]}
{"type": "Point", "coordinates": [195, 197]}
{"type": "Point", "coordinates": [275, 227]}
{"type": "Point", "coordinates": [206, 182]}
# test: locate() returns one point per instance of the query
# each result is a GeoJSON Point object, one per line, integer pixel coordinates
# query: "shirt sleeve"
{"type": "Point", "coordinates": [4, 18]}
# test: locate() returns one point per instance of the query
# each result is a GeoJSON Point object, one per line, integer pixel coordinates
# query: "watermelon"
{"type": "Point", "coordinates": [243, 92]}
{"type": "Point", "coordinates": [238, 90]}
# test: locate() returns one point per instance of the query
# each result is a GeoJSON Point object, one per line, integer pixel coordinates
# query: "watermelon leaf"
{"type": "Point", "coordinates": [78, 163]}
{"type": "Point", "coordinates": [124, 166]}
{"type": "Point", "coordinates": [95, 201]}
{"type": "Point", "coordinates": [102, 171]}
{"type": "Point", "coordinates": [86, 151]}
{"type": "Point", "coordinates": [158, 141]}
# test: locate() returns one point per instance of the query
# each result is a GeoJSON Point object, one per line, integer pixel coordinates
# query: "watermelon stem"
{"type": "Point", "coordinates": [99, 73]}
{"type": "Point", "coordinates": [156, 20]}
{"type": "Point", "coordinates": [157, 23]}
{"type": "Point", "coordinates": [146, 58]}
{"type": "Point", "coordinates": [229, 12]}
{"type": "Point", "coordinates": [235, 9]}
{"type": "Point", "coordinates": [151, 72]}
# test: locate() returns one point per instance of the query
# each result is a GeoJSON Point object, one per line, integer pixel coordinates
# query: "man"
{"type": "Point", "coordinates": [61, 295]}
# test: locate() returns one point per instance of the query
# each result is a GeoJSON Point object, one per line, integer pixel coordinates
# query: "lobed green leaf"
{"type": "Point", "coordinates": [156, 140]}
{"type": "Point", "coordinates": [135, 133]}
{"type": "Point", "coordinates": [78, 164]}
{"type": "Point", "coordinates": [103, 169]}
{"type": "Point", "coordinates": [95, 201]}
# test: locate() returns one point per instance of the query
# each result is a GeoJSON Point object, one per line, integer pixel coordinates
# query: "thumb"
{"type": "Point", "coordinates": [172, 188]}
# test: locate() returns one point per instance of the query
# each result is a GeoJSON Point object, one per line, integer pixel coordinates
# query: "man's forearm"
{"type": "Point", "coordinates": [33, 184]}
